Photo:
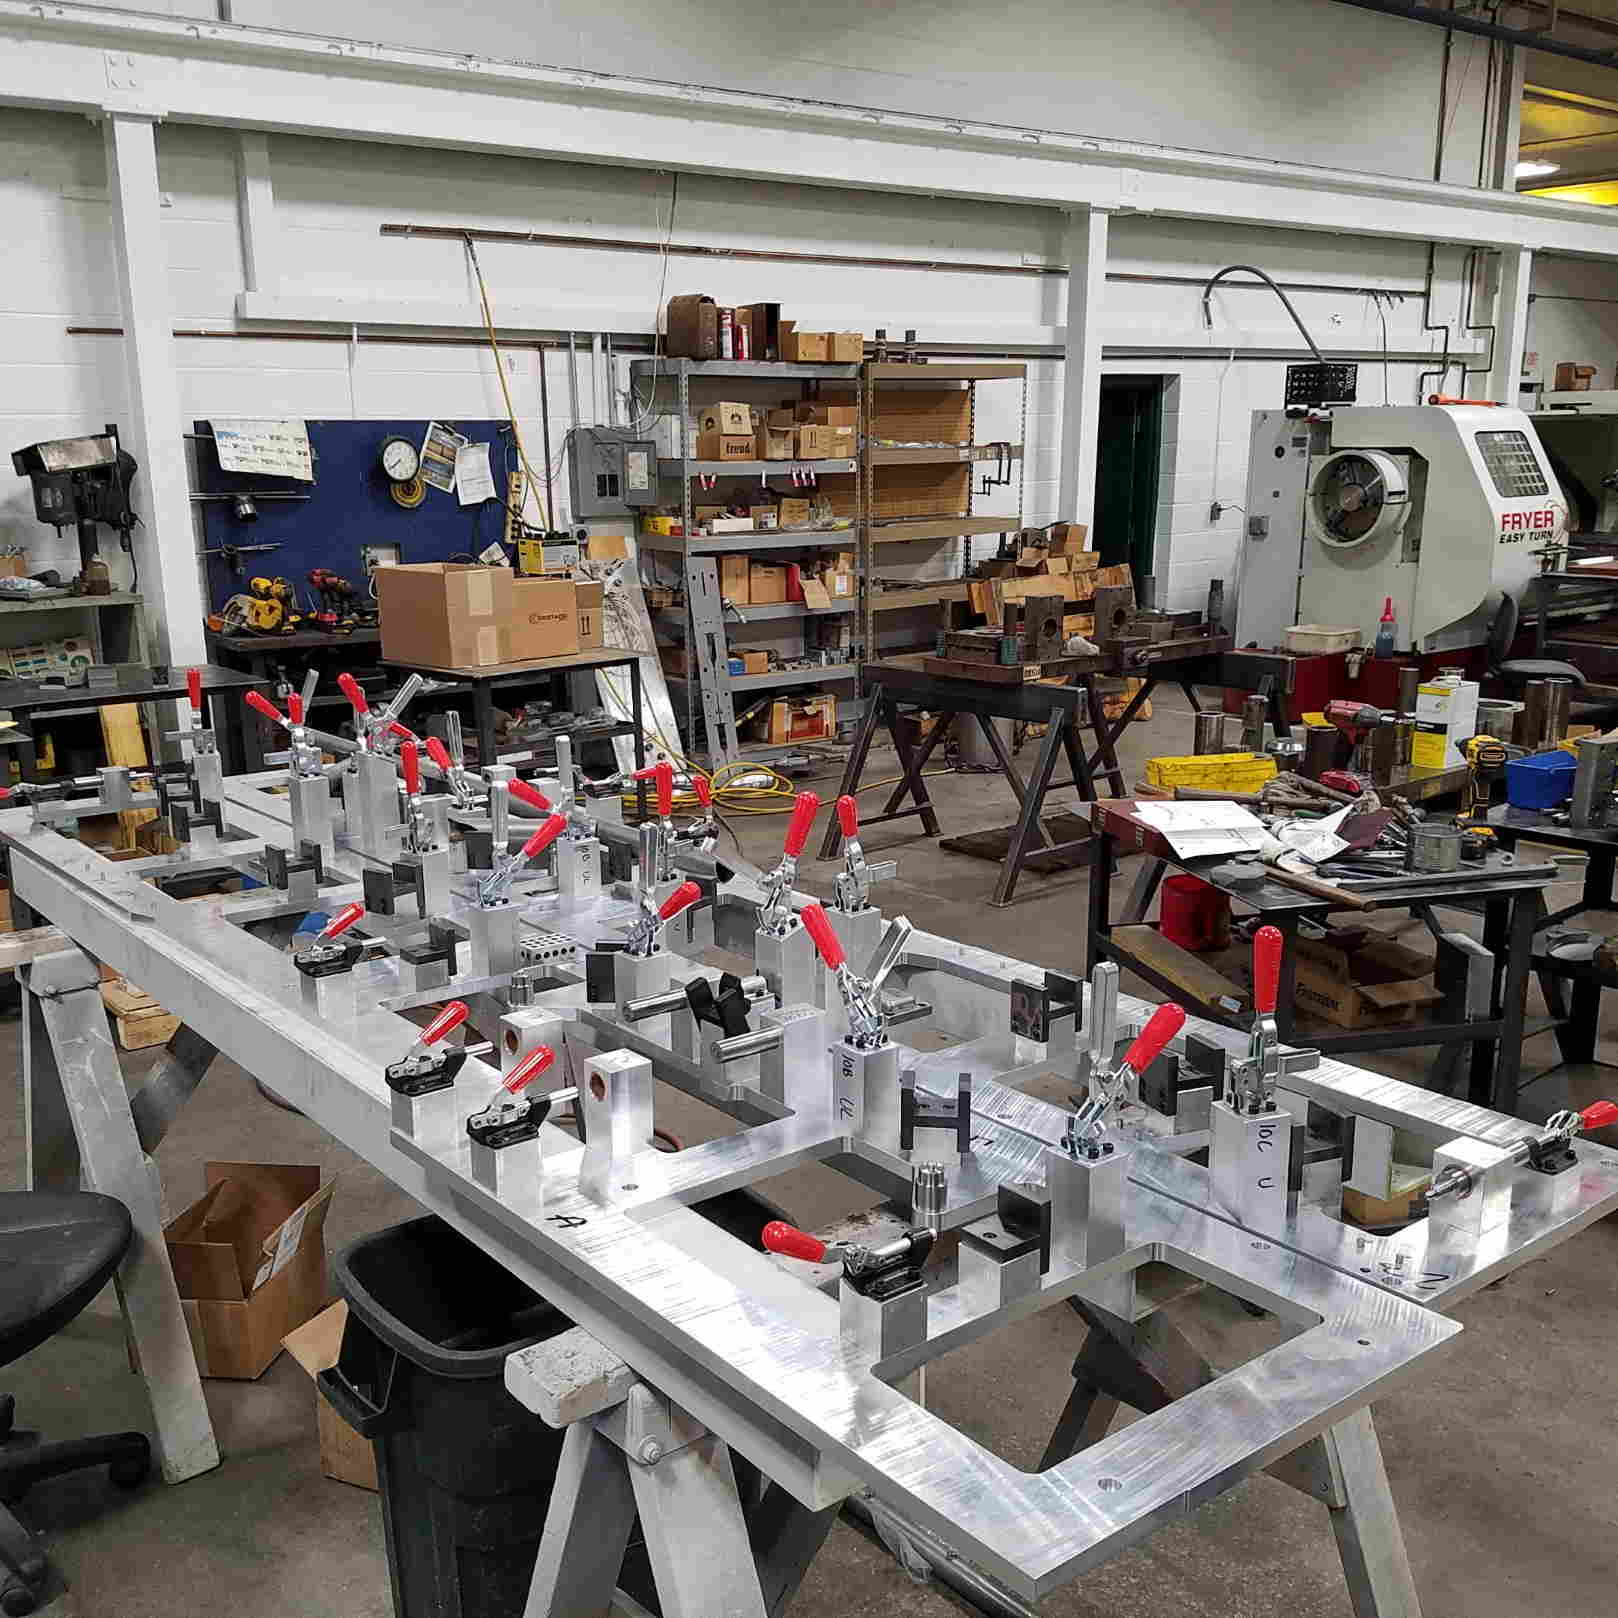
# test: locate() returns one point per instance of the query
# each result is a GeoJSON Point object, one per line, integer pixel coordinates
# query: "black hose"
{"type": "Point", "coordinates": [1250, 269]}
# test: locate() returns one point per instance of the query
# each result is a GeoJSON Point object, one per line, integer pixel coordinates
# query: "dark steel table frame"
{"type": "Point", "coordinates": [29, 702]}
{"type": "Point", "coordinates": [904, 683]}
{"type": "Point", "coordinates": [1511, 908]}
{"type": "Point", "coordinates": [481, 684]}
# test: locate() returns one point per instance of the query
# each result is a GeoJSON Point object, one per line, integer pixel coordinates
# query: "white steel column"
{"type": "Point", "coordinates": [1081, 375]}
{"type": "Point", "coordinates": [165, 543]}
{"type": "Point", "coordinates": [255, 201]}
{"type": "Point", "coordinates": [1511, 322]}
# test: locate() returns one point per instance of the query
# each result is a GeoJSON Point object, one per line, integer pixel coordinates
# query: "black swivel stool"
{"type": "Point", "coordinates": [57, 1251]}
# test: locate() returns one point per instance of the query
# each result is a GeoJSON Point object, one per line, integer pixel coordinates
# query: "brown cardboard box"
{"type": "Point", "coordinates": [775, 445]}
{"type": "Point", "coordinates": [1573, 378]}
{"type": "Point", "coordinates": [822, 443]}
{"type": "Point", "coordinates": [587, 595]}
{"type": "Point", "coordinates": [803, 719]}
{"type": "Point", "coordinates": [828, 415]}
{"type": "Point", "coordinates": [755, 662]}
{"type": "Point", "coordinates": [839, 585]}
{"type": "Point", "coordinates": [793, 513]}
{"type": "Point", "coordinates": [727, 416]}
{"type": "Point", "coordinates": [606, 548]}
{"type": "Point", "coordinates": [1064, 538]}
{"type": "Point", "coordinates": [804, 347]}
{"type": "Point", "coordinates": [444, 614]}
{"type": "Point", "coordinates": [813, 594]}
{"type": "Point", "coordinates": [249, 1262]}
{"type": "Point", "coordinates": [725, 446]}
{"type": "Point", "coordinates": [734, 579]}
{"type": "Point", "coordinates": [1353, 983]}
{"type": "Point", "coordinates": [693, 327]}
{"type": "Point", "coordinates": [14, 567]}
{"type": "Point", "coordinates": [706, 513]}
{"type": "Point", "coordinates": [766, 585]}
{"type": "Point", "coordinates": [344, 1455]}
{"type": "Point", "coordinates": [765, 518]}
{"type": "Point", "coordinates": [846, 347]}
{"type": "Point", "coordinates": [544, 619]}
{"type": "Point", "coordinates": [783, 418]}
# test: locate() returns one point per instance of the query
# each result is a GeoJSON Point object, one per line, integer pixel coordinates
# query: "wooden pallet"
{"type": "Point", "coordinates": [139, 1019]}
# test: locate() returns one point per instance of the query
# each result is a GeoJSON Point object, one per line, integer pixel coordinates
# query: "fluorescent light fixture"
{"type": "Point", "coordinates": [1532, 171]}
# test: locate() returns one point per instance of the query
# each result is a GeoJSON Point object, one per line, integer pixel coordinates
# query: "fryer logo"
{"type": "Point", "coordinates": [1520, 525]}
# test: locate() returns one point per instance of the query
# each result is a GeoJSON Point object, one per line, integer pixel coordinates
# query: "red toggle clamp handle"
{"type": "Point", "coordinates": [848, 815]}
{"type": "Point", "coordinates": [682, 898]}
{"type": "Point", "coordinates": [544, 837]}
{"type": "Point", "coordinates": [780, 1237]}
{"type": "Point", "coordinates": [704, 791]}
{"type": "Point", "coordinates": [260, 703]}
{"type": "Point", "coordinates": [1599, 1114]}
{"type": "Point", "coordinates": [663, 774]}
{"type": "Point", "coordinates": [439, 754]}
{"type": "Point", "coordinates": [410, 760]}
{"type": "Point", "coordinates": [531, 795]}
{"type": "Point", "coordinates": [350, 687]}
{"type": "Point", "coordinates": [1266, 970]}
{"type": "Point", "coordinates": [341, 922]}
{"type": "Point", "coordinates": [446, 1022]}
{"type": "Point", "coordinates": [1148, 1045]}
{"type": "Point", "coordinates": [528, 1069]}
{"type": "Point", "coordinates": [818, 925]}
{"type": "Point", "coordinates": [803, 817]}
{"type": "Point", "coordinates": [193, 688]}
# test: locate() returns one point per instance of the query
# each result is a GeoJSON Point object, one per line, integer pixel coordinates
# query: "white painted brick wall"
{"type": "Point", "coordinates": [332, 198]}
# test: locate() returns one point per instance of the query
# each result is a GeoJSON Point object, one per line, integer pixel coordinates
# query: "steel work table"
{"type": "Point", "coordinates": [481, 684]}
{"type": "Point", "coordinates": [1511, 901]}
{"type": "Point", "coordinates": [29, 702]}
{"type": "Point", "coordinates": [1065, 709]}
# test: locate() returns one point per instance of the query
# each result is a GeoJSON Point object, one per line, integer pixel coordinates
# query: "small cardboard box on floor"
{"type": "Point", "coordinates": [344, 1455]}
{"type": "Point", "coordinates": [444, 614]}
{"type": "Point", "coordinates": [249, 1260]}
{"type": "Point", "coordinates": [1362, 982]}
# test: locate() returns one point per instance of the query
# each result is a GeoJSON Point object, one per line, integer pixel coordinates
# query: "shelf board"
{"type": "Point", "coordinates": [932, 454]}
{"type": "Point", "coordinates": [118, 598]}
{"type": "Point", "coordinates": [920, 375]}
{"type": "Point", "coordinates": [751, 469]}
{"type": "Point", "coordinates": [921, 596]}
{"type": "Point", "coordinates": [765, 539]}
{"type": "Point", "coordinates": [768, 370]}
{"type": "Point", "coordinates": [887, 533]}
{"type": "Point", "coordinates": [781, 677]}
{"type": "Point", "coordinates": [673, 618]}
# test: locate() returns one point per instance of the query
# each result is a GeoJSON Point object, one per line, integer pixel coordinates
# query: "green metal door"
{"type": "Point", "coordinates": [1129, 444]}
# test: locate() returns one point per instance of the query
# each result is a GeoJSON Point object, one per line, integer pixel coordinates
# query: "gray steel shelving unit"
{"type": "Point", "coordinates": [709, 698]}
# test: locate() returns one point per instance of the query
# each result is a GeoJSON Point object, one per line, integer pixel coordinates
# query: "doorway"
{"type": "Point", "coordinates": [1129, 451]}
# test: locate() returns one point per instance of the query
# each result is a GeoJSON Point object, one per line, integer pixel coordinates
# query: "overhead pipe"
{"type": "Point", "coordinates": [1531, 39]}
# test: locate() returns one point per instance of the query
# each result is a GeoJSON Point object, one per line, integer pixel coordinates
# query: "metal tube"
{"type": "Point", "coordinates": [1530, 727]}
{"type": "Point", "coordinates": [1208, 732]}
{"type": "Point", "coordinates": [654, 1005]}
{"type": "Point", "coordinates": [1558, 694]}
{"type": "Point", "coordinates": [401, 699]}
{"type": "Point", "coordinates": [741, 1046]}
{"type": "Point", "coordinates": [545, 429]}
{"type": "Point", "coordinates": [1255, 711]}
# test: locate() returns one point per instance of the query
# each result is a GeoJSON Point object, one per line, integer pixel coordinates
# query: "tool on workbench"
{"type": "Point", "coordinates": [1358, 721]}
{"type": "Point", "coordinates": [1251, 1151]}
{"type": "Point", "coordinates": [1486, 760]}
{"type": "Point", "coordinates": [1472, 1179]}
{"type": "Point", "coordinates": [781, 949]}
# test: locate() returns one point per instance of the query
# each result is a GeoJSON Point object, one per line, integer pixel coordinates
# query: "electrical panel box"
{"type": "Point", "coordinates": [611, 472]}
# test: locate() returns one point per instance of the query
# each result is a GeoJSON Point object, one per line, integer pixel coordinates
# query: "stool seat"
{"type": "Point", "coordinates": [57, 1250]}
{"type": "Point", "coordinates": [1538, 668]}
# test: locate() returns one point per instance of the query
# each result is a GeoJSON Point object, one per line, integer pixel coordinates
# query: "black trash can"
{"type": "Point", "coordinates": [465, 1471]}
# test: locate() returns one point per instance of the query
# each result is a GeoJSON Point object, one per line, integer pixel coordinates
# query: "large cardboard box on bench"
{"type": "Point", "coordinates": [544, 619]}
{"type": "Point", "coordinates": [1373, 982]}
{"type": "Point", "coordinates": [447, 615]}
{"type": "Point", "coordinates": [249, 1260]}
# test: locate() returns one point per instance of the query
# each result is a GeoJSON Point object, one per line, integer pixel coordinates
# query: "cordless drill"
{"type": "Point", "coordinates": [1357, 720]}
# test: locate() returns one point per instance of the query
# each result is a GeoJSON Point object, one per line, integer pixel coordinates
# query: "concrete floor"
{"type": "Point", "coordinates": [1502, 1456]}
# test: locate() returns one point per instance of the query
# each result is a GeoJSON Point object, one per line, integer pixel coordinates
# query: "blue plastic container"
{"type": "Point", "coordinates": [1540, 781]}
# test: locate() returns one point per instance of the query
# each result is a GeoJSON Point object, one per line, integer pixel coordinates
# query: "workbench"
{"type": "Point", "coordinates": [1509, 896]}
{"type": "Point", "coordinates": [1066, 699]}
{"type": "Point", "coordinates": [721, 1347]}
{"type": "Point", "coordinates": [31, 702]}
{"type": "Point", "coordinates": [479, 685]}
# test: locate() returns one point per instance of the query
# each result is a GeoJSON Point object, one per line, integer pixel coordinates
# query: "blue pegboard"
{"type": "Point", "coordinates": [348, 506]}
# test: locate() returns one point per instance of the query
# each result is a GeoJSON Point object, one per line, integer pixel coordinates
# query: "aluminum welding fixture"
{"type": "Point", "coordinates": [862, 996]}
{"type": "Point", "coordinates": [330, 952]}
{"type": "Point", "coordinates": [511, 1116]}
{"type": "Point", "coordinates": [1250, 1083]}
{"type": "Point", "coordinates": [305, 755]}
{"type": "Point", "coordinates": [493, 888]}
{"type": "Point", "coordinates": [775, 913]}
{"type": "Point", "coordinates": [851, 889]}
{"type": "Point", "coordinates": [885, 1268]}
{"type": "Point", "coordinates": [641, 939]}
{"type": "Point", "coordinates": [1111, 1086]}
{"type": "Point", "coordinates": [1550, 1152]}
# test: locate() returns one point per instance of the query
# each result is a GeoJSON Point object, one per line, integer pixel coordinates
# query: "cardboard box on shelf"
{"type": "Point", "coordinates": [775, 444]}
{"type": "Point", "coordinates": [444, 614]}
{"type": "Point", "coordinates": [813, 594]}
{"type": "Point", "coordinates": [845, 347]}
{"type": "Point", "coordinates": [692, 327]}
{"type": "Point", "coordinates": [1354, 981]}
{"type": "Point", "coordinates": [1573, 378]}
{"type": "Point", "coordinates": [706, 513]}
{"type": "Point", "coordinates": [725, 416]}
{"type": "Point", "coordinates": [782, 418]}
{"type": "Point", "coordinates": [766, 585]}
{"type": "Point", "coordinates": [765, 518]}
{"type": "Point", "coordinates": [803, 719]}
{"type": "Point", "coordinates": [793, 513]}
{"type": "Point", "coordinates": [821, 443]}
{"type": "Point", "coordinates": [250, 1262]}
{"type": "Point", "coordinates": [840, 586]}
{"type": "Point", "coordinates": [733, 579]}
{"type": "Point", "coordinates": [587, 599]}
{"type": "Point", "coordinates": [725, 446]}
{"type": "Point", "coordinates": [14, 565]}
{"type": "Point", "coordinates": [544, 619]}
{"type": "Point", "coordinates": [315, 1345]}
{"type": "Point", "coordinates": [813, 412]}
{"type": "Point", "coordinates": [727, 524]}
{"type": "Point", "coordinates": [804, 347]}
{"type": "Point", "coordinates": [755, 662]}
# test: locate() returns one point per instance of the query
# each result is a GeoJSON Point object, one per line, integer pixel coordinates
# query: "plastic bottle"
{"type": "Point", "coordinates": [1384, 630]}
